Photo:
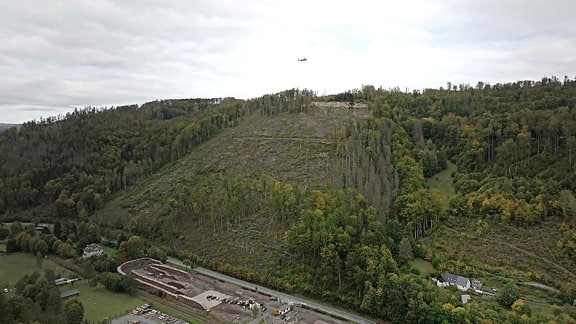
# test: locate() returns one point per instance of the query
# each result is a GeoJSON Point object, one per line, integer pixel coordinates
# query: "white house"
{"type": "Point", "coordinates": [91, 250]}
{"type": "Point", "coordinates": [462, 283]}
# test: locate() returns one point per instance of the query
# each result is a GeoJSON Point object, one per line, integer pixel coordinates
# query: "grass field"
{"type": "Point", "coordinates": [16, 265]}
{"type": "Point", "coordinates": [443, 183]}
{"type": "Point", "coordinates": [98, 302]}
{"type": "Point", "coordinates": [546, 309]}
{"type": "Point", "coordinates": [426, 268]}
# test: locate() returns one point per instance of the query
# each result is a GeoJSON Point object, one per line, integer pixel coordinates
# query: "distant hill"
{"type": "Point", "coordinates": [4, 127]}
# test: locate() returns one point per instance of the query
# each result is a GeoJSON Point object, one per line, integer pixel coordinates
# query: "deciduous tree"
{"type": "Point", "coordinates": [73, 311]}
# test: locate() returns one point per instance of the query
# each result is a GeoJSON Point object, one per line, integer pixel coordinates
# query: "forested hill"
{"type": "Point", "coordinates": [73, 164]}
{"type": "Point", "coordinates": [325, 196]}
{"type": "Point", "coordinates": [522, 131]}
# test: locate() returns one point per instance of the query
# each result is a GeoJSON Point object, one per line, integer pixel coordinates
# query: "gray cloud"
{"type": "Point", "coordinates": [60, 54]}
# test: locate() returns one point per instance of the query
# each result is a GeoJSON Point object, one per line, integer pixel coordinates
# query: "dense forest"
{"type": "Point", "coordinates": [349, 238]}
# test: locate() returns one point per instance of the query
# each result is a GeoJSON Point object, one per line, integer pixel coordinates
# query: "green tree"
{"type": "Point", "coordinates": [508, 295]}
{"type": "Point", "coordinates": [109, 280]}
{"type": "Point", "coordinates": [39, 260]}
{"type": "Point", "coordinates": [332, 263]}
{"type": "Point", "coordinates": [24, 241]}
{"type": "Point", "coordinates": [53, 302]}
{"type": "Point", "coordinates": [73, 311]}
{"type": "Point", "coordinates": [4, 232]}
{"type": "Point", "coordinates": [49, 275]}
{"type": "Point", "coordinates": [116, 283]}
{"type": "Point", "coordinates": [520, 307]}
{"type": "Point", "coordinates": [255, 311]}
{"type": "Point", "coordinates": [157, 253]}
{"type": "Point", "coordinates": [128, 285]}
{"type": "Point", "coordinates": [16, 228]}
{"type": "Point", "coordinates": [41, 247]}
{"type": "Point", "coordinates": [95, 280]}
{"type": "Point", "coordinates": [66, 251]}
{"type": "Point", "coordinates": [18, 307]}
{"type": "Point", "coordinates": [481, 226]}
{"type": "Point", "coordinates": [5, 311]}
{"type": "Point", "coordinates": [133, 248]}
{"type": "Point", "coordinates": [12, 245]}
{"type": "Point", "coordinates": [405, 253]}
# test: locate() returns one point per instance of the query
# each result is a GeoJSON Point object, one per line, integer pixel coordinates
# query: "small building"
{"type": "Point", "coordinates": [69, 294]}
{"type": "Point", "coordinates": [476, 284]}
{"type": "Point", "coordinates": [462, 283]}
{"type": "Point", "coordinates": [42, 229]}
{"type": "Point", "coordinates": [64, 281]}
{"type": "Point", "coordinates": [91, 250]}
{"type": "Point", "coordinates": [465, 298]}
{"type": "Point", "coordinates": [440, 283]}
{"type": "Point", "coordinates": [45, 228]}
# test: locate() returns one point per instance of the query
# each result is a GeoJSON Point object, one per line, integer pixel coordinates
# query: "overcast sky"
{"type": "Point", "coordinates": [57, 55]}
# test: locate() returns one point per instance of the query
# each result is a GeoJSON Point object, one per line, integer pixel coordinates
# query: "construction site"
{"type": "Point", "coordinates": [223, 301]}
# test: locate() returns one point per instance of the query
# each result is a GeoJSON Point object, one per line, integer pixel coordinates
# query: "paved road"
{"type": "Point", "coordinates": [285, 297]}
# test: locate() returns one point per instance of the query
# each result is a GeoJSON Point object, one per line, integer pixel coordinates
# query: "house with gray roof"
{"type": "Point", "coordinates": [69, 293]}
{"type": "Point", "coordinates": [462, 283]}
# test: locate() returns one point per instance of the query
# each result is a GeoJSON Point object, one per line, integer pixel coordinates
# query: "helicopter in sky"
{"type": "Point", "coordinates": [302, 59]}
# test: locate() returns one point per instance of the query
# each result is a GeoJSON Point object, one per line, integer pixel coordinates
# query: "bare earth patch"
{"type": "Point", "coordinates": [210, 298]}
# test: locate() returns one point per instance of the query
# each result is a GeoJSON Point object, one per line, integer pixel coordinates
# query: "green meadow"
{"type": "Point", "coordinates": [98, 302]}
{"type": "Point", "coordinates": [443, 183]}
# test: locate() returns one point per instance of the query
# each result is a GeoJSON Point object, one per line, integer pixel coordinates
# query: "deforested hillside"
{"type": "Point", "coordinates": [219, 196]}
